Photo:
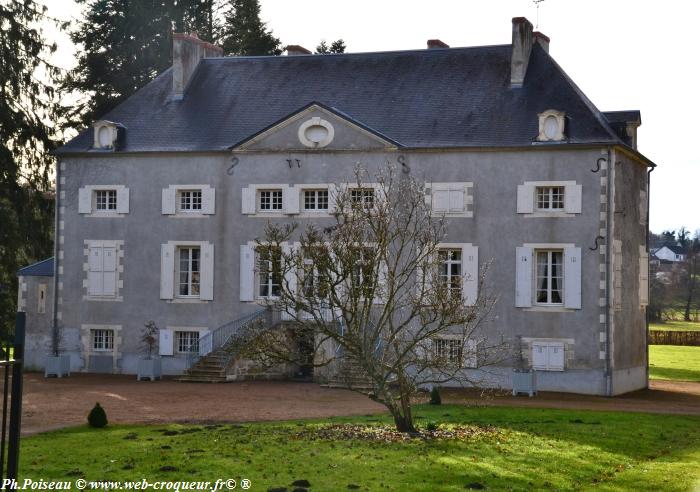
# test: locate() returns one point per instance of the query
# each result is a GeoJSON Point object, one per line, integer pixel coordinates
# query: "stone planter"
{"type": "Point", "coordinates": [149, 369]}
{"type": "Point", "coordinates": [57, 365]}
{"type": "Point", "coordinates": [524, 381]}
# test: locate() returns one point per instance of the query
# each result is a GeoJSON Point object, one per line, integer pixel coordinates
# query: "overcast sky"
{"type": "Point", "coordinates": [624, 54]}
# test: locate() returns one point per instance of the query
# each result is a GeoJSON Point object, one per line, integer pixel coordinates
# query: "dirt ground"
{"type": "Point", "coordinates": [55, 403]}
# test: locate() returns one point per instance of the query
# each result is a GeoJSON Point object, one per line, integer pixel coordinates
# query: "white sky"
{"type": "Point", "coordinates": [624, 54]}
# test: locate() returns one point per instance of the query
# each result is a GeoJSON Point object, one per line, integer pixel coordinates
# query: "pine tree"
{"type": "Point", "coordinates": [337, 46]}
{"type": "Point", "coordinates": [27, 102]}
{"type": "Point", "coordinates": [245, 34]}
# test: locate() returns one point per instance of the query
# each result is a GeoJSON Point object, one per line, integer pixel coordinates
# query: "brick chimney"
{"type": "Point", "coordinates": [188, 49]}
{"type": "Point", "coordinates": [522, 46]}
{"type": "Point", "coordinates": [436, 43]}
{"type": "Point", "coordinates": [295, 49]}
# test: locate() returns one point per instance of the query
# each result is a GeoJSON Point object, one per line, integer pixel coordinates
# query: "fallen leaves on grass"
{"type": "Point", "coordinates": [387, 433]}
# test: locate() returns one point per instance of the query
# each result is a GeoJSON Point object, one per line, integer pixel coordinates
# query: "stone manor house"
{"type": "Point", "coordinates": [159, 202]}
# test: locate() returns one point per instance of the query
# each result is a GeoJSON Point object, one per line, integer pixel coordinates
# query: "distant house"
{"type": "Point", "coordinates": [670, 252]}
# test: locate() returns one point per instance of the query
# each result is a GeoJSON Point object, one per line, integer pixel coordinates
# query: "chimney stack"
{"type": "Point", "coordinates": [295, 49]}
{"type": "Point", "coordinates": [436, 43]}
{"type": "Point", "coordinates": [522, 46]}
{"type": "Point", "coordinates": [188, 49]}
{"type": "Point", "coordinates": [542, 40]}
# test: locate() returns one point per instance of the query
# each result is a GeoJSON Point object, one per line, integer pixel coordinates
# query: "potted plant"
{"type": "Point", "coordinates": [149, 367]}
{"type": "Point", "coordinates": [524, 378]}
{"type": "Point", "coordinates": [56, 364]}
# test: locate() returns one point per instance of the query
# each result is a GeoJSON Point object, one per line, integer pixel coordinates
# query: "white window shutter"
{"type": "Point", "coordinates": [572, 199]}
{"type": "Point", "coordinates": [205, 343]}
{"type": "Point", "coordinates": [441, 198]}
{"type": "Point", "coordinates": [109, 271]}
{"type": "Point", "coordinates": [122, 200]}
{"type": "Point", "coordinates": [526, 199]}
{"type": "Point", "coordinates": [469, 354]}
{"type": "Point", "coordinates": [290, 275]}
{"type": "Point", "coordinates": [206, 289]}
{"type": "Point", "coordinates": [523, 277]}
{"type": "Point", "coordinates": [457, 199]}
{"type": "Point", "coordinates": [248, 200]}
{"type": "Point", "coordinates": [555, 356]}
{"type": "Point", "coordinates": [540, 355]}
{"type": "Point", "coordinates": [165, 341]}
{"type": "Point", "coordinates": [168, 201]}
{"type": "Point", "coordinates": [95, 265]}
{"type": "Point", "coordinates": [382, 284]}
{"type": "Point", "coordinates": [290, 199]}
{"type": "Point", "coordinates": [167, 271]}
{"type": "Point", "coordinates": [84, 201]}
{"type": "Point", "coordinates": [247, 273]}
{"type": "Point", "coordinates": [643, 276]}
{"type": "Point", "coordinates": [470, 274]}
{"type": "Point", "coordinates": [332, 193]}
{"type": "Point", "coordinates": [572, 278]}
{"type": "Point", "coordinates": [208, 200]}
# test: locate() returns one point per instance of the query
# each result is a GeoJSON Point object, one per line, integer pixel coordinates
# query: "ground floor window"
{"type": "Point", "coordinates": [102, 340]}
{"type": "Point", "coordinates": [187, 341]}
{"type": "Point", "coordinates": [448, 350]}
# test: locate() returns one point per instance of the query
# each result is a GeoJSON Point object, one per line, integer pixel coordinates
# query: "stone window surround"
{"type": "Point", "coordinates": [192, 214]}
{"type": "Point", "coordinates": [468, 211]}
{"type": "Point", "coordinates": [526, 349]}
{"type": "Point", "coordinates": [543, 308]}
{"type": "Point", "coordinates": [561, 120]}
{"type": "Point", "coordinates": [121, 191]}
{"type": "Point", "coordinates": [86, 344]}
{"type": "Point", "coordinates": [189, 300]}
{"type": "Point", "coordinates": [203, 330]}
{"type": "Point", "coordinates": [554, 213]}
{"type": "Point", "coordinates": [119, 246]}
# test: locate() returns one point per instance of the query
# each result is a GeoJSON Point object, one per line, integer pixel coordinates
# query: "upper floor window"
{"type": "Point", "coordinates": [550, 198]}
{"type": "Point", "coordinates": [316, 200]}
{"type": "Point", "coordinates": [450, 272]}
{"type": "Point", "coordinates": [190, 200]}
{"type": "Point", "coordinates": [549, 277]}
{"type": "Point", "coordinates": [270, 200]}
{"type": "Point", "coordinates": [106, 200]}
{"type": "Point", "coordinates": [552, 126]}
{"type": "Point", "coordinates": [102, 269]}
{"type": "Point", "coordinates": [269, 272]}
{"type": "Point", "coordinates": [188, 271]}
{"type": "Point", "coordinates": [363, 196]}
{"type": "Point", "coordinates": [102, 340]}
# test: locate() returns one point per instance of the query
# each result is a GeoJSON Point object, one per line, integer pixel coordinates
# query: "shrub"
{"type": "Point", "coordinates": [97, 417]}
{"type": "Point", "coordinates": [431, 426]}
{"type": "Point", "coordinates": [435, 396]}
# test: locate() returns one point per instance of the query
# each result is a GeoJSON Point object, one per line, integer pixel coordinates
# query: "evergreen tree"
{"type": "Point", "coordinates": [27, 102]}
{"type": "Point", "coordinates": [126, 43]}
{"type": "Point", "coordinates": [245, 34]}
{"type": "Point", "coordinates": [337, 46]}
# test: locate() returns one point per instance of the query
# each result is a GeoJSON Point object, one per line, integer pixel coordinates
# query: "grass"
{"type": "Point", "coordinates": [676, 326]}
{"type": "Point", "coordinates": [531, 449]}
{"type": "Point", "coordinates": [680, 363]}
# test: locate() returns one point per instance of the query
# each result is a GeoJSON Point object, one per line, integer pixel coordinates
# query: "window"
{"type": "Point", "coordinates": [187, 341]}
{"type": "Point", "coordinates": [190, 200]}
{"type": "Point", "coordinates": [102, 269]}
{"type": "Point", "coordinates": [270, 200]}
{"type": "Point", "coordinates": [316, 285]}
{"type": "Point", "coordinates": [102, 340]}
{"type": "Point", "coordinates": [450, 270]}
{"type": "Point", "coordinates": [448, 350]}
{"type": "Point", "coordinates": [41, 298]}
{"type": "Point", "coordinates": [549, 277]}
{"type": "Point", "coordinates": [552, 125]}
{"type": "Point", "coordinates": [548, 356]}
{"type": "Point", "coordinates": [189, 271]}
{"type": "Point", "coordinates": [362, 196]}
{"type": "Point", "coordinates": [448, 199]}
{"type": "Point", "coordinates": [315, 200]}
{"type": "Point", "coordinates": [106, 200]}
{"type": "Point", "coordinates": [550, 198]}
{"type": "Point", "coordinates": [269, 272]}
{"type": "Point", "coordinates": [362, 272]}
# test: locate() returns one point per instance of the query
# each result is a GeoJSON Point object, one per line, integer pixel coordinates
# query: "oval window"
{"type": "Point", "coordinates": [551, 127]}
{"type": "Point", "coordinates": [104, 137]}
{"type": "Point", "coordinates": [316, 133]}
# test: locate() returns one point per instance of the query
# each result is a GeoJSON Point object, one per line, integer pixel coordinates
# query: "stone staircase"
{"type": "Point", "coordinates": [211, 368]}
{"type": "Point", "coordinates": [349, 375]}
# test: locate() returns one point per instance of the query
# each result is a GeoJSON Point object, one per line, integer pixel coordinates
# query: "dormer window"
{"type": "Point", "coordinates": [106, 135]}
{"type": "Point", "coordinates": [552, 126]}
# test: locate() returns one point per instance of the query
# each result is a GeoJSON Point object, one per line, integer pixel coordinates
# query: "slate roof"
{"type": "Point", "coordinates": [455, 97]}
{"type": "Point", "coordinates": [42, 268]}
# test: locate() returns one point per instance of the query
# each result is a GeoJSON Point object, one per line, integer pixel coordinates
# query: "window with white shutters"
{"type": "Point", "coordinates": [450, 270]}
{"type": "Point", "coordinates": [105, 200]}
{"type": "Point", "coordinates": [269, 271]}
{"type": "Point", "coordinates": [102, 269]}
{"type": "Point", "coordinates": [548, 356]}
{"type": "Point", "coordinates": [187, 341]}
{"type": "Point", "coordinates": [189, 270]}
{"type": "Point", "coordinates": [270, 200]}
{"type": "Point", "coordinates": [190, 201]}
{"type": "Point", "coordinates": [548, 276]}
{"type": "Point", "coordinates": [549, 198]}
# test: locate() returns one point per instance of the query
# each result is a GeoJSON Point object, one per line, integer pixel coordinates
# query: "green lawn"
{"type": "Point", "coordinates": [681, 363]}
{"type": "Point", "coordinates": [527, 449]}
{"type": "Point", "coordinates": [676, 326]}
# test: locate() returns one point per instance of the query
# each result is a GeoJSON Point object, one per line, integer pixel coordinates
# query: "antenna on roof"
{"type": "Point", "coordinates": [537, 20]}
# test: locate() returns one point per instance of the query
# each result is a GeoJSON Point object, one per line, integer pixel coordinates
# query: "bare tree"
{"type": "Point", "coordinates": [373, 299]}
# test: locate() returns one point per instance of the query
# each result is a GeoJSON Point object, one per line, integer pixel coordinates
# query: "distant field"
{"type": "Point", "coordinates": [674, 362]}
{"type": "Point", "coordinates": [676, 326]}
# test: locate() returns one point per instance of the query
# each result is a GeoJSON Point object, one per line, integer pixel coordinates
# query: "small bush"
{"type": "Point", "coordinates": [435, 396]}
{"type": "Point", "coordinates": [97, 417]}
{"type": "Point", "coordinates": [431, 426]}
